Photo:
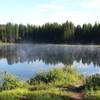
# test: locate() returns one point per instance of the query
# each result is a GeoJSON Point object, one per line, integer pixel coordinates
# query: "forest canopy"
{"type": "Point", "coordinates": [51, 33]}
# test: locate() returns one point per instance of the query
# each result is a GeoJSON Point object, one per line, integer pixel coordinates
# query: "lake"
{"type": "Point", "coordinates": [25, 60]}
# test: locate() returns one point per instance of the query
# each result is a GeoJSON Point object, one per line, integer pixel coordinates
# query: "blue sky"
{"type": "Point", "coordinates": [39, 12]}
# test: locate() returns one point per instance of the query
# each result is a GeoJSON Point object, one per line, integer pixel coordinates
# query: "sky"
{"type": "Point", "coordinates": [38, 12]}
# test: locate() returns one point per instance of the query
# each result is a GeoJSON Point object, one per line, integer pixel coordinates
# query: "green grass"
{"type": "Point", "coordinates": [13, 94]}
{"type": "Point", "coordinates": [93, 82]}
{"type": "Point", "coordinates": [42, 86]}
{"type": "Point", "coordinates": [92, 87]}
{"type": "Point", "coordinates": [92, 95]}
{"type": "Point", "coordinates": [50, 85]}
{"type": "Point", "coordinates": [56, 77]}
{"type": "Point", "coordinates": [49, 94]}
{"type": "Point", "coordinates": [11, 82]}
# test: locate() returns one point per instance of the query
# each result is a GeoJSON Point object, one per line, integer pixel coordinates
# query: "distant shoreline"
{"type": "Point", "coordinates": [79, 45]}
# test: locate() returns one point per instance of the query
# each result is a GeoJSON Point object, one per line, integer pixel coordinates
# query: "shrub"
{"type": "Point", "coordinates": [93, 82]}
{"type": "Point", "coordinates": [47, 77]}
{"type": "Point", "coordinates": [10, 82]}
{"type": "Point", "coordinates": [67, 74]}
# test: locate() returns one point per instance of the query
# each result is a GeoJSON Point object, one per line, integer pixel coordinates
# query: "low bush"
{"type": "Point", "coordinates": [58, 75]}
{"type": "Point", "coordinates": [11, 82]}
{"type": "Point", "coordinates": [93, 82]}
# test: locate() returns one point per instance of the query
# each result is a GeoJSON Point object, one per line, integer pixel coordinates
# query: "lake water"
{"type": "Point", "coordinates": [25, 60]}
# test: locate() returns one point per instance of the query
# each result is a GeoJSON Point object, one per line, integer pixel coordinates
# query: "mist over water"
{"type": "Point", "coordinates": [25, 60]}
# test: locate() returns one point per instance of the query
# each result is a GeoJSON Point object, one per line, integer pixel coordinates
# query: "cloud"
{"type": "Point", "coordinates": [37, 18]}
{"type": "Point", "coordinates": [76, 17]}
{"type": "Point", "coordinates": [51, 7]}
{"type": "Point", "coordinates": [91, 4]}
{"type": "Point", "coordinates": [56, 12]}
{"type": "Point", "coordinates": [61, 12]}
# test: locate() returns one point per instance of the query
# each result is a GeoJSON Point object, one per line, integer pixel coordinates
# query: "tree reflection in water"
{"type": "Point", "coordinates": [50, 54]}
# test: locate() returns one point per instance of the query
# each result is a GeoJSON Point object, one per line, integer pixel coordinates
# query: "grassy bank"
{"type": "Point", "coordinates": [50, 85]}
{"type": "Point", "coordinates": [92, 87]}
{"type": "Point", "coordinates": [58, 84]}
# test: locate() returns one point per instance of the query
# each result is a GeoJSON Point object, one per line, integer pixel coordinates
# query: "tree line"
{"type": "Point", "coordinates": [51, 33]}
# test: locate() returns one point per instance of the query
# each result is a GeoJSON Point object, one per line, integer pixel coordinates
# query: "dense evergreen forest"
{"type": "Point", "coordinates": [51, 33]}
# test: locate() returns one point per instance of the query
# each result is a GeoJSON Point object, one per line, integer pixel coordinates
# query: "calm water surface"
{"type": "Point", "coordinates": [25, 60]}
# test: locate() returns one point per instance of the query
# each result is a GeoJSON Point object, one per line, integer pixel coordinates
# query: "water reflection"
{"type": "Point", "coordinates": [24, 60]}
{"type": "Point", "coordinates": [50, 54]}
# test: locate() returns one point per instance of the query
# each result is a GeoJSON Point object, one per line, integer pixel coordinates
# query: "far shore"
{"type": "Point", "coordinates": [78, 45]}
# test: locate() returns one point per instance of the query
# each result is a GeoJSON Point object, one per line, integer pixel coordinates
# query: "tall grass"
{"type": "Point", "coordinates": [13, 94]}
{"type": "Point", "coordinates": [42, 86]}
{"type": "Point", "coordinates": [92, 87]}
{"type": "Point", "coordinates": [11, 82]}
{"type": "Point", "coordinates": [93, 82]}
{"type": "Point", "coordinates": [25, 94]}
{"type": "Point", "coordinates": [66, 75]}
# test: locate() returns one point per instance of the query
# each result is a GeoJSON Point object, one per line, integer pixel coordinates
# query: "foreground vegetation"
{"type": "Point", "coordinates": [92, 87]}
{"type": "Point", "coordinates": [51, 85]}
